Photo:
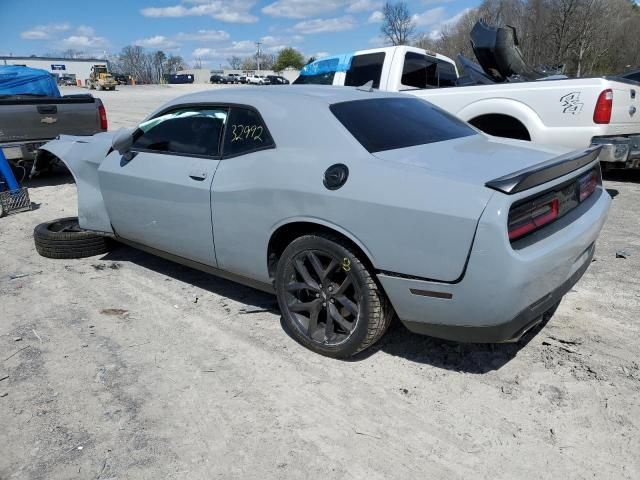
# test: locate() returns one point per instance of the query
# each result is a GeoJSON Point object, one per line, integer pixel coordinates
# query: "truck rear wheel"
{"type": "Point", "coordinates": [63, 238]}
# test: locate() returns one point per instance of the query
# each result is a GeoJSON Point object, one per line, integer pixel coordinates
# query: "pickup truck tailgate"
{"type": "Point", "coordinates": [625, 103]}
{"type": "Point", "coordinates": [45, 118]}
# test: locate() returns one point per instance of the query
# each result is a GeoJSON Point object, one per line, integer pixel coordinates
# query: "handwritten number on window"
{"type": "Point", "coordinates": [241, 133]}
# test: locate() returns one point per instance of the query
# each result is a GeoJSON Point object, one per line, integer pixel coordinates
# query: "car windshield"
{"type": "Point", "coordinates": [392, 123]}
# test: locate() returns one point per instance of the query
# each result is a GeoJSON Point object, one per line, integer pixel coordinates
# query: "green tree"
{"type": "Point", "coordinates": [288, 57]}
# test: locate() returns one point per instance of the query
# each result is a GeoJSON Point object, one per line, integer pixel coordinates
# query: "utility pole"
{"type": "Point", "coordinates": [258, 55]}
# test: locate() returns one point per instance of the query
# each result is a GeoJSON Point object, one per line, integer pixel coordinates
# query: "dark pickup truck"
{"type": "Point", "coordinates": [29, 121]}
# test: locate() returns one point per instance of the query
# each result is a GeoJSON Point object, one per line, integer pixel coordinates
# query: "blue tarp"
{"type": "Point", "coordinates": [15, 80]}
{"type": "Point", "coordinates": [336, 63]}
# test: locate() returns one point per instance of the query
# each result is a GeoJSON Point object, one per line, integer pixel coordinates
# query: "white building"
{"type": "Point", "coordinates": [77, 68]}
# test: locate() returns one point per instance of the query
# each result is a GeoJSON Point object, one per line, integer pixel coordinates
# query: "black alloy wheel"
{"type": "Point", "coordinates": [328, 298]}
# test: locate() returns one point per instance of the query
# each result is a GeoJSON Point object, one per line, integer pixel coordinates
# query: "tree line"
{"type": "Point", "coordinates": [579, 37]}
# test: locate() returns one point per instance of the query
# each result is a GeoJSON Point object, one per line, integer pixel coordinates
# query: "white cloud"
{"type": "Point", "coordinates": [204, 36]}
{"type": "Point", "coordinates": [431, 17]}
{"type": "Point", "coordinates": [364, 6]}
{"type": "Point", "coordinates": [79, 42]}
{"type": "Point", "coordinates": [435, 33]}
{"type": "Point", "coordinates": [302, 8]}
{"type": "Point", "coordinates": [241, 48]}
{"type": "Point", "coordinates": [44, 32]}
{"type": "Point", "coordinates": [324, 25]}
{"type": "Point", "coordinates": [376, 17]}
{"type": "Point", "coordinates": [321, 55]}
{"type": "Point", "coordinates": [377, 42]}
{"type": "Point", "coordinates": [85, 30]}
{"type": "Point", "coordinates": [231, 11]}
{"type": "Point", "coordinates": [157, 41]}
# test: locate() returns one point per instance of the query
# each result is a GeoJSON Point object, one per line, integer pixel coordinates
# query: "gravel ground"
{"type": "Point", "coordinates": [128, 366]}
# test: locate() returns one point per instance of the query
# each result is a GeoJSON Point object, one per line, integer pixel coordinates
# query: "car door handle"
{"type": "Point", "coordinates": [198, 175]}
{"type": "Point", "coordinates": [47, 109]}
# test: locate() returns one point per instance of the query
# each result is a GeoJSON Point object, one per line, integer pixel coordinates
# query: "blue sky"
{"type": "Point", "coordinates": [211, 30]}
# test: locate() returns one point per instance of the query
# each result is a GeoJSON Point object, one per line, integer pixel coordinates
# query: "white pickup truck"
{"type": "Point", "coordinates": [575, 113]}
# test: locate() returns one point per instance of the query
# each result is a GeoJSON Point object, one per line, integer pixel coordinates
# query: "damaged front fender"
{"type": "Point", "coordinates": [83, 156]}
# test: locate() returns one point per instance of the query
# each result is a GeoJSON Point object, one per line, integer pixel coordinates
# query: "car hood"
{"type": "Point", "coordinates": [498, 53]}
{"type": "Point", "coordinates": [476, 159]}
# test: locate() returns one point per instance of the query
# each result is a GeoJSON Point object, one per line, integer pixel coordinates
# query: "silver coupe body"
{"type": "Point", "coordinates": [464, 236]}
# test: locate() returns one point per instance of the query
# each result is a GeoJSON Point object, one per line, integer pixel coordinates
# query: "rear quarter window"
{"type": "Point", "coordinates": [392, 123]}
{"type": "Point", "coordinates": [245, 133]}
{"type": "Point", "coordinates": [365, 68]}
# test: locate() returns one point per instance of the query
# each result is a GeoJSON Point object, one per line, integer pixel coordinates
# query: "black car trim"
{"type": "Point", "coordinates": [544, 172]}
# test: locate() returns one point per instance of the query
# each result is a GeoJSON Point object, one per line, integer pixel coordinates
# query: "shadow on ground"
{"type": "Point", "coordinates": [623, 175]}
{"type": "Point", "coordinates": [254, 299]}
{"type": "Point", "coordinates": [398, 341]}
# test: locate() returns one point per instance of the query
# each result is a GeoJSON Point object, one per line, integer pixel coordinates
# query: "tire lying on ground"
{"type": "Point", "coordinates": [63, 238]}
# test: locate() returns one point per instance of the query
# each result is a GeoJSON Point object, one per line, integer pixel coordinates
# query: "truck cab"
{"type": "Point", "coordinates": [390, 68]}
{"type": "Point", "coordinates": [569, 112]}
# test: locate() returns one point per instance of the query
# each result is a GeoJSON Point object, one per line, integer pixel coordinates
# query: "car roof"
{"type": "Point", "coordinates": [259, 97]}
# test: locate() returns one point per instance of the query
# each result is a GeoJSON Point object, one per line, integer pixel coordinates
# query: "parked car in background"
{"type": "Point", "coordinates": [32, 112]}
{"type": "Point", "coordinates": [476, 238]}
{"type": "Point", "coordinates": [121, 79]}
{"type": "Point", "coordinates": [277, 80]}
{"type": "Point", "coordinates": [573, 113]}
{"type": "Point", "coordinates": [66, 81]}
{"type": "Point", "coordinates": [232, 78]}
{"type": "Point", "coordinates": [257, 80]}
{"type": "Point", "coordinates": [216, 78]}
{"type": "Point", "coordinates": [180, 78]}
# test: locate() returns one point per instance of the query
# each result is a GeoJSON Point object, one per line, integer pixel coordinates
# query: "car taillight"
{"type": "Point", "coordinates": [587, 185]}
{"type": "Point", "coordinates": [532, 215]}
{"type": "Point", "coordinates": [103, 118]}
{"type": "Point", "coordinates": [604, 105]}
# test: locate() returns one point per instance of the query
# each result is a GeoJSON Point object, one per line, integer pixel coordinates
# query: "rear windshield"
{"type": "Point", "coordinates": [391, 123]}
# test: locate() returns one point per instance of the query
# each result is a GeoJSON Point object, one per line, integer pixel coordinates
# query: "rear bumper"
{"type": "Point", "coordinates": [505, 288]}
{"type": "Point", "coordinates": [511, 330]}
{"type": "Point", "coordinates": [621, 151]}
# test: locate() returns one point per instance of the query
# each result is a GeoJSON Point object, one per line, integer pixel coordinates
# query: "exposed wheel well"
{"type": "Point", "coordinates": [501, 126]}
{"type": "Point", "coordinates": [284, 235]}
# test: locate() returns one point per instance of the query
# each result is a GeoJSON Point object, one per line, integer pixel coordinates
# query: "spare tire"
{"type": "Point", "coordinates": [63, 238]}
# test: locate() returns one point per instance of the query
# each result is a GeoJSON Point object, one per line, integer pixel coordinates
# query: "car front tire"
{"type": "Point", "coordinates": [63, 238]}
{"type": "Point", "coordinates": [330, 301]}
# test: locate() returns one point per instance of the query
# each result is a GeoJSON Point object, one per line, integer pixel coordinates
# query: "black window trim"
{"type": "Point", "coordinates": [205, 105]}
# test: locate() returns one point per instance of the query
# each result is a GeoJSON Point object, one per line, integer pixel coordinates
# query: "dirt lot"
{"type": "Point", "coordinates": [128, 366]}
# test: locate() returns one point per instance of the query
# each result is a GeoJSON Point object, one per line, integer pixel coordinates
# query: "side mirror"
{"type": "Point", "coordinates": [122, 140]}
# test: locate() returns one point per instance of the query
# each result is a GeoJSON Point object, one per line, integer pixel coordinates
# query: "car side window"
{"type": "Point", "coordinates": [245, 133]}
{"type": "Point", "coordinates": [187, 131]}
{"type": "Point", "coordinates": [365, 68]}
{"type": "Point", "coordinates": [419, 71]}
{"type": "Point", "coordinates": [447, 76]}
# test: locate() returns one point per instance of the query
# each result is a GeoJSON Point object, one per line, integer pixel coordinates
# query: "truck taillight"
{"type": "Point", "coordinates": [103, 118]}
{"type": "Point", "coordinates": [604, 105]}
{"type": "Point", "coordinates": [532, 215]}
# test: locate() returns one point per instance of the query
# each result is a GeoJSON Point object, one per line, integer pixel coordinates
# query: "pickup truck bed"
{"type": "Point", "coordinates": [27, 122]}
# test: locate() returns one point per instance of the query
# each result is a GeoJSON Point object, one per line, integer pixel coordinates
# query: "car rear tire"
{"type": "Point", "coordinates": [330, 301]}
{"type": "Point", "coordinates": [63, 238]}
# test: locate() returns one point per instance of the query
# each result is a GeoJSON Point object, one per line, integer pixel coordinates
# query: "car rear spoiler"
{"type": "Point", "coordinates": [544, 172]}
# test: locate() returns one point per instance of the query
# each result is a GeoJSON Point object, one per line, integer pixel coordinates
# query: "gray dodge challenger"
{"type": "Point", "coordinates": [351, 205]}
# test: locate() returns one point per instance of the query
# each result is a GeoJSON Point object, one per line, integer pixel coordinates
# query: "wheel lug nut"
{"type": "Point", "coordinates": [317, 295]}
{"type": "Point", "coordinates": [324, 304]}
{"type": "Point", "coordinates": [333, 301]}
